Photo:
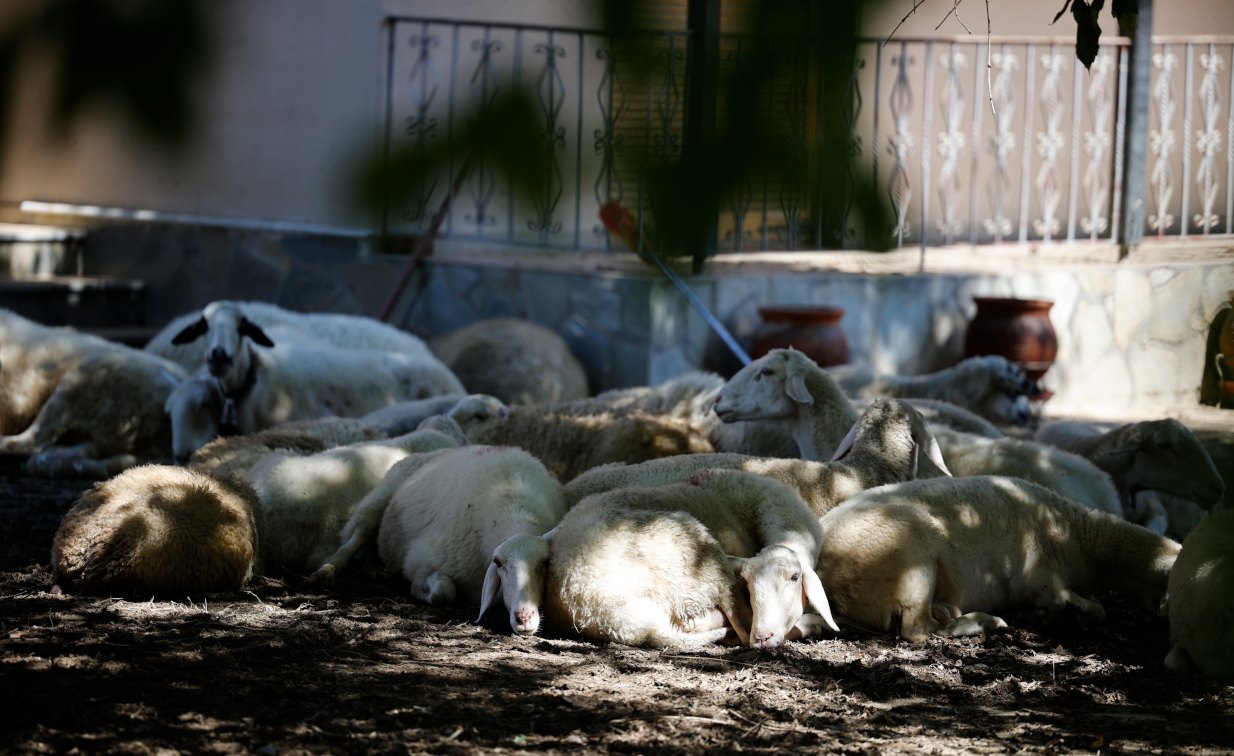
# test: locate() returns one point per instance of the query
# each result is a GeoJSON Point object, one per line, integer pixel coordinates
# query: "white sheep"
{"type": "Point", "coordinates": [462, 525]}
{"type": "Point", "coordinates": [218, 337]}
{"type": "Point", "coordinates": [786, 385]}
{"type": "Point", "coordinates": [938, 556]}
{"type": "Point", "coordinates": [882, 447]}
{"type": "Point", "coordinates": [58, 386]}
{"type": "Point", "coordinates": [158, 530]}
{"type": "Point", "coordinates": [691, 397]}
{"type": "Point", "coordinates": [1156, 455]}
{"type": "Point", "coordinates": [748, 514]}
{"type": "Point", "coordinates": [989, 386]}
{"type": "Point", "coordinates": [643, 578]}
{"type": "Point", "coordinates": [1201, 600]}
{"type": "Point", "coordinates": [237, 454]}
{"type": "Point", "coordinates": [307, 500]}
{"type": "Point", "coordinates": [517, 361]}
{"type": "Point", "coordinates": [948, 415]}
{"type": "Point", "coordinates": [291, 382]}
{"type": "Point", "coordinates": [400, 418]}
{"type": "Point", "coordinates": [573, 437]}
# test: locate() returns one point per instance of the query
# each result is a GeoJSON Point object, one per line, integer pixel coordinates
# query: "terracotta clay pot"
{"type": "Point", "coordinates": [1018, 329]}
{"type": "Point", "coordinates": [815, 331]}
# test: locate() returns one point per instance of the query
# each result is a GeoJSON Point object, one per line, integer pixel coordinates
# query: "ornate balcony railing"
{"type": "Point", "coordinates": [1043, 164]}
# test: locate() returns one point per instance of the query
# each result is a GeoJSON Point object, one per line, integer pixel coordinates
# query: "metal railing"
{"type": "Point", "coordinates": [1044, 165]}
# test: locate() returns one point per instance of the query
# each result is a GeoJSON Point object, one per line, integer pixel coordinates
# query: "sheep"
{"type": "Point", "coordinates": [58, 386]}
{"type": "Point", "coordinates": [748, 515]}
{"type": "Point", "coordinates": [573, 437]}
{"type": "Point", "coordinates": [690, 396]}
{"type": "Point", "coordinates": [237, 454]}
{"type": "Point", "coordinates": [1201, 600]}
{"type": "Point", "coordinates": [643, 578]}
{"type": "Point", "coordinates": [938, 556]}
{"type": "Point", "coordinates": [445, 517]}
{"type": "Point", "coordinates": [400, 418]}
{"type": "Point", "coordinates": [226, 326]}
{"type": "Point", "coordinates": [293, 382]}
{"type": "Point", "coordinates": [308, 500]}
{"type": "Point", "coordinates": [514, 360]}
{"type": "Point", "coordinates": [786, 385]}
{"type": "Point", "coordinates": [1155, 455]}
{"type": "Point", "coordinates": [880, 449]}
{"type": "Point", "coordinates": [158, 530]}
{"type": "Point", "coordinates": [947, 415]}
{"type": "Point", "coordinates": [989, 386]}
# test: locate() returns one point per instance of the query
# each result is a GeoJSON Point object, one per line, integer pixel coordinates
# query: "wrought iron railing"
{"type": "Point", "coordinates": [1043, 162]}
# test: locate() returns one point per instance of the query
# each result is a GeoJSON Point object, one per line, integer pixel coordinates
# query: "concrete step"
{"type": "Point", "coordinates": [82, 302]}
{"type": "Point", "coordinates": [32, 252]}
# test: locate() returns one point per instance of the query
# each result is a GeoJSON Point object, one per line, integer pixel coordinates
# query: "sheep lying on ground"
{"type": "Point", "coordinates": [643, 578]}
{"type": "Point", "coordinates": [937, 556]}
{"type": "Point", "coordinates": [300, 383]}
{"type": "Point", "coordinates": [882, 448]}
{"type": "Point", "coordinates": [219, 337]}
{"type": "Point", "coordinates": [990, 386]}
{"type": "Point", "coordinates": [1202, 600]}
{"type": "Point", "coordinates": [403, 417]}
{"type": "Point", "coordinates": [573, 437]}
{"type": "Point", "coordinates": [158, 530]}
{"type": "Point", "coordinates": [946, 415]}
{"type": "Point", "coordinates": [237, 454]}
{"type": "Point", "coordinates": [308, 500]}
{"type": "Point", "coordinates": [58, 386]}
{"type": "Point", "coordinates": [1158, 455]}
{"type": "Point", "coordinates": [514, 360]}
{"type": "Point", "coordinates": [443, 547]}
{"type": "Point", "coordinates": [691, 397]}
{"type": "Point", "coordinates": [787, 386]}
{"type": "Point", "coordinates": [753, 518]}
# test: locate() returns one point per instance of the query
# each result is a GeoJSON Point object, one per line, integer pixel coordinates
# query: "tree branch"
{"type": "Point", "coordinates": [916, 5]}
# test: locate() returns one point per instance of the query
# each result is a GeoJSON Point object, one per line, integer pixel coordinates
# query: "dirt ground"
{"type": "Point", "coordinates": [362, 668]}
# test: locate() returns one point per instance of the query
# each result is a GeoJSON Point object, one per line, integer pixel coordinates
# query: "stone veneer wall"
{"type": "Point", "coordinates": [1130, 334]}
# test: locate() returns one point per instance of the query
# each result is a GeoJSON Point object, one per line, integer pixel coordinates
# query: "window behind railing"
{"type": "Point", "coordinates": [1042, 162]}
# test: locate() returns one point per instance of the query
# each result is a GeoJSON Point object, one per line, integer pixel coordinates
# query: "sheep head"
{"type": "Point", "coordinates": [474, 409]}
{"type": "Point", "coordinates": [769, 388]}
{"type": "Point", "coordinates": [518, 572]}
{"type": "Point", "coordinates": [224, 327]}
{"type": "Point", "coordinates": [892, 428]}
{"type": "Point", "coordinates": [781, 583]}
{"type": "Point", "coordinates": [1169, 458]}
{"type": "Point", "coordinates": [193, 406]}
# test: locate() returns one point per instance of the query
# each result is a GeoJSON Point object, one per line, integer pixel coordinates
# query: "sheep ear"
{"type": "Point", "coordinates": [549, 535]}
{"type": "Point", "coordinates": [847, 444]}
{"type": "Point", "coordinates": [737, 563]}
{"type": "Point", "coordinates": [254, 332]}
{"type": "Point", "coordinates": [814, 593]}
{"type": "Point", "coordinates": [912, 462]}
{"type": "Point", "coordinates": [492, 586]}
{"type": "Point", "coordinates": [795, 387]}
{"type": "Point", "coordinates": [936, 456]}
{"type": "Point", "coordinates": [168, 377]}
{"type": "Point", "coordinates": [193, 332]}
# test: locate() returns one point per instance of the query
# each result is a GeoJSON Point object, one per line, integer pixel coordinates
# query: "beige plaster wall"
{"type": "Point", "coordinates": [1034, 17]}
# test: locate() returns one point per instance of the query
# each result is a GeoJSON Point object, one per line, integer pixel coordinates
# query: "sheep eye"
{"type": "Point", "coordinates": [766, 371]}
{"type": "Point", "coordinates": [796, 577]}
{"type": "Point", "coordinates": [496, 561]}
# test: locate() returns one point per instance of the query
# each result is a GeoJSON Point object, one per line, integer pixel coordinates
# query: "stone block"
{"type": "Point", "coordinates": [333, 250]}
{"type": "Point", "coordinates": [545, 296]}
{"type": "Point", "coordinates": [596, 299]}
{"type": "Point", "coordinates": [635, 306]}
{"type": "Point", "coordinates": [1218, 281]}
{"type": "Point", "coordinates": [1132, 302]}
{"type": "Point", "coordinates": [256, 270]}
{"type": "Point", "coordinates": [1107, 382]}
{"type": "Point", "coordinates": [460, 278]}
{"type": "Point", "coordinates": [1160, 276]}
{"type": "Point", "coordinates": [629, 365]}
{"type": "Point", "coordinates": [1173, 303]}
{"type": "Point", "coordinates": [308, 288]}
{"type": "Point", "coordinates": [666, 364]}
{"type": "Point", "coordinates": [1093, 337]}
{"type": "Point", "coordinates": [591, 348]}
{"type": "Point", "coordinates": [1190, 366]}
{"type": "Point", "coordinates": [1154, 373]}
{"type": "Point", "coordinates": [446, 310]}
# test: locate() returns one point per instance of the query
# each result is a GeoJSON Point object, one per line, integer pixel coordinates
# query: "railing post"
{"type": "Point", "coordinates": [1131, 232]}
{"type": "Point", "coordinates": [702, 92]}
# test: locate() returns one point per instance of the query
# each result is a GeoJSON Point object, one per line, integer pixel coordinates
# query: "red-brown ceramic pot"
{"type": "Point", "coordinates": [1018, 329]}
{"type": "Point", "coordinates": [814, 331]}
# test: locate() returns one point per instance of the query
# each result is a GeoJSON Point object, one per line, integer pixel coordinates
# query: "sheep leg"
{"type": "Point", "coordinates": [437, 589]}
{"type": "Point", "coordinates": [973, 623]}
{"type": "Point", "coordinates": [917, 623]}
{"type": "Point", "coordinates": [809, 626]}
{"type": "Point", "coordinates": [53, 418]}
{"type": "Point", "coordinates": [1091, 608]}
{"type": "Point", "coordinates": [365, 520]}
{"type": "Point", "coordinates": [738, 612]}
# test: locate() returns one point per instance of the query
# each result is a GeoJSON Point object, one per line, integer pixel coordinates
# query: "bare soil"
{"type": "Point", "coordinates": [361, 668]}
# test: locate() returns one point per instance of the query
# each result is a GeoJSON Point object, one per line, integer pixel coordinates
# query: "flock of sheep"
{"type": "Point", "coordinates": [763, 509]}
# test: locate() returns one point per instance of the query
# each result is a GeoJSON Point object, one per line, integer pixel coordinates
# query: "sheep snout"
{"type": "Point", "coordinates": [219, 362]}
{"type": "Point", "coordinates": [525, 621]}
